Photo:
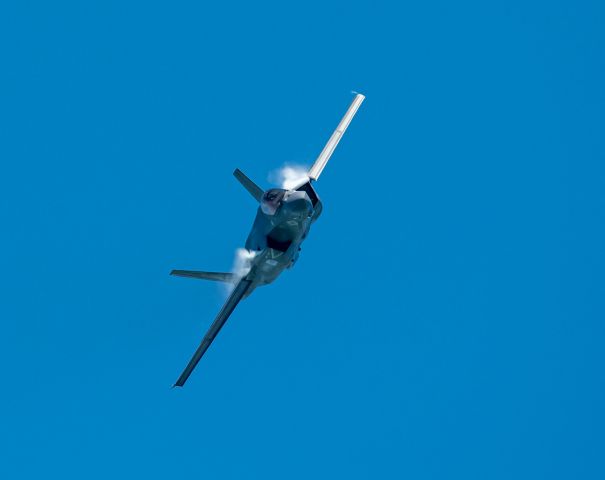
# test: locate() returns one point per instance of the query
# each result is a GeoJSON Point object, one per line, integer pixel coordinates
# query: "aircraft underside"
{"type": "Point", "coordinates": [282, 223]}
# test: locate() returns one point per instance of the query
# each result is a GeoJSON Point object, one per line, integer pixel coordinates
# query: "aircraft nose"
{"type": "Point", "coordinates": [298, 202]}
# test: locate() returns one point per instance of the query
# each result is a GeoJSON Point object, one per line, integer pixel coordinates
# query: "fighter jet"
{"type": "Point", "coordinates": [282, 223]}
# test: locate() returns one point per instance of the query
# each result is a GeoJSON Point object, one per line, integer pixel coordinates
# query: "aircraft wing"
{"type": "Point", "coordinates": [236, 295]}
{"type": "Point", "coordinates": [329, 148]}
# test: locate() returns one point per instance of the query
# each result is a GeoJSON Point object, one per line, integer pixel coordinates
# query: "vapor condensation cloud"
{"type": "Point", "coordinates": [242, 262]}
{"type": "Point", "coordinates": [289, 176]}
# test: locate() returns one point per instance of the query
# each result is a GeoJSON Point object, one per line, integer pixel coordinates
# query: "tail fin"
{"type": "Point", "coordinates": [214, 276]}
{"type": "Point", "coordinates": [248, 184]}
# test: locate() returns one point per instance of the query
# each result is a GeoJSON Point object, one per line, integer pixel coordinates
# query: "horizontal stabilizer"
{"type": "Point", "coordinates": [214, 276]}
{"type": "Point", "coordinates": [248, 184]}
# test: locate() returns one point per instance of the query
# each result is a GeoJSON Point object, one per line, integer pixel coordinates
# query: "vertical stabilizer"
{"type": "Point", "coordinates": [248, 184]}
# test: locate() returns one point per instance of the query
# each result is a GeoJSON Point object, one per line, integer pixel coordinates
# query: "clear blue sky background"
{"type": "Point", "coordinates": [445, 319]}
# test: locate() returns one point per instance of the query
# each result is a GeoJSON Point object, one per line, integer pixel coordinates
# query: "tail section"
{"type": "Point", "coordinates": [214, 276]}
{"type": "Point", "coordinates": [248, 184]}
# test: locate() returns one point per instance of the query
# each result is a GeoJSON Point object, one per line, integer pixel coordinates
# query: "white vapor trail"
{"type": "Point", "coordinates": [289, 176]}
{"type": "Point", "coordinates": [242, 263]}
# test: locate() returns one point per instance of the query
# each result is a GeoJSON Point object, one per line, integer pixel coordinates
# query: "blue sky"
{"type": "Point", "coordinates": [445, 319]}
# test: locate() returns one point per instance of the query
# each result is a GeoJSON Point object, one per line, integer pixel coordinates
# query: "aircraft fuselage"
{"type": "Point", "coordinates": [282, 222]}
{"type": "Point", "coordinates": [281, 225]}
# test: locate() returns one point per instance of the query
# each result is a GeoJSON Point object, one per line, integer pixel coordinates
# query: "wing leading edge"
{"type": "Point", "coordinates": [329, 148]}
{"type": "Point", "coordinates": [236, 295]}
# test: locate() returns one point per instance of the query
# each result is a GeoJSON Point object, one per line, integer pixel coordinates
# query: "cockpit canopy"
{"type": "Point", "coordinates": [270, 201]}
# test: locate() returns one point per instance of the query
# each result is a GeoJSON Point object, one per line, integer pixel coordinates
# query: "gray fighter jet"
{"type": "Point", "coordinates": [282, 223]}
